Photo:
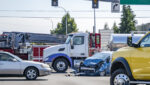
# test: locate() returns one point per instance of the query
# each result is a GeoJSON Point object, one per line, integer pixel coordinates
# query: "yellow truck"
{"type": "Point", "coordinates": [131, 65]}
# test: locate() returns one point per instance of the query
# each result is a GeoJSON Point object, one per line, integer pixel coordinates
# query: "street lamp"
{"type": "Point", "coordinates": [66, 18]}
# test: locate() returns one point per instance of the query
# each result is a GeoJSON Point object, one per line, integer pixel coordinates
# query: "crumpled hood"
{"type": "Point", "coordinates": [92, 62]}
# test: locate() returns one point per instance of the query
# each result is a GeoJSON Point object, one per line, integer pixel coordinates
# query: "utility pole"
{"type": "Point", "coordinates": [66, 18]}
{"type": "Point", "coordinates": [94, 27]}
{"type": "Point", "coordinates": [95, 4]}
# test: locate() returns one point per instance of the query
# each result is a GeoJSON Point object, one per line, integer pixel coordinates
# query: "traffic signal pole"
{"type": "Point", "coordinates": [94, 27]}
{"type": "Point", "coordinates": [66, 18]}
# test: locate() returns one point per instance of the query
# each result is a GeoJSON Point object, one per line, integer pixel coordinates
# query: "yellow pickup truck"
{"type": "Point", "coordinates": [131, 65]}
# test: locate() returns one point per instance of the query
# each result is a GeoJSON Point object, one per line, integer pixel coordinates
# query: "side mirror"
{"type": "Point", "coordinates": [129, 41]}
{"type": "Point", "coordinates": [71, 44]}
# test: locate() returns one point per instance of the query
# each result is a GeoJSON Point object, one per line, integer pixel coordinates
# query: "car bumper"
{"type": "Point", "coordinates": [45, 72]}
{"type": "Point", "coordinates": [49, 63]}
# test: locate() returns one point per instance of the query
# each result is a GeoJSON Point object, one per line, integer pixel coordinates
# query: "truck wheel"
{"type": "Point", "coordinates": [31, 73]}
{"type": "Point", "coordinates": [60, 65]}
{"type": "Point", "coordinates": [119, 77]}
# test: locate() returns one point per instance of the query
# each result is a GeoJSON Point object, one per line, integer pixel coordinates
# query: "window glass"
{"type": "Point", "coordinates": [93, 40]}
{"type": "Point", "coordinates": [5, 57]}
{"type": "Point", "coordinates": [145, 42]}
{"type": "Point", "coordinates": [98, 39]}
{"type": "Point", "coordinates": [78, 40]}
{"type": "Point", "coordinates": [68, 39]}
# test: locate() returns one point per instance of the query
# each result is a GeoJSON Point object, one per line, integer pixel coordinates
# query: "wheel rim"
{"type": "Point", "coordinates": [121, 79]}
{"type": "Point", "coordinates": [61, 65]}
{"type": "Point", "coordinates": [31, 74]}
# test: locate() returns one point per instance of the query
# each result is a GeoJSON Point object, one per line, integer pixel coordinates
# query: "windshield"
{"type": "Point", "coordinates": [102, 56]}
{"type": "Point", "coordinates": [68, 39]}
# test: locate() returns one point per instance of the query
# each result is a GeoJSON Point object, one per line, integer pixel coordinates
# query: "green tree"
{"type": "Point", "coordinates": [127, 20]}
{"type": "Point", "coordinates": [115, 28]}
{"type": "Point", "coordinates": [106, 26]}
{"type": "Point", "coordinates": [61, 27]}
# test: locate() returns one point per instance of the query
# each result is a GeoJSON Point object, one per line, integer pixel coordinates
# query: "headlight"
{"type": "Point", "coordinates": [45, 66]}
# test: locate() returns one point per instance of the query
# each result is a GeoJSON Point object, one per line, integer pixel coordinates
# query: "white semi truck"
{"type": "Point", "coordinates": [77, 47]}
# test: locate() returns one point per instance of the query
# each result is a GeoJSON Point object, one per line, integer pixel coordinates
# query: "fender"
{"type": "Point", "coordinates": [125, 64]}
{"type": "Point", "coordinates": [52, 57]}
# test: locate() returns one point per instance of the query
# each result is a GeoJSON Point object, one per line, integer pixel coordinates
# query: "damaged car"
{"type": "Point", "coordinates": [97, 65]}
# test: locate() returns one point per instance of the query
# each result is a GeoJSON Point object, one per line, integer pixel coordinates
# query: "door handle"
{"type": "Point", "coordinates": [82, 54]}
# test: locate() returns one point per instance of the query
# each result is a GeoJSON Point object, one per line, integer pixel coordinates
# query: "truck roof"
{"type": "Point", "coordinates": [79, 33]}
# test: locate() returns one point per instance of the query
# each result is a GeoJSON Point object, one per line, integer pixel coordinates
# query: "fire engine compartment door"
{"type": "Point", "coordinates": [78, 47]}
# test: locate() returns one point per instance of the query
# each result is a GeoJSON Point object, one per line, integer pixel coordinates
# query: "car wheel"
{"type": "Point", "coordinates": [31, 73]}
{"type": "Point", "coordinates": [119, 77]}
{"type": "Point", "coordinates": [60, 65]}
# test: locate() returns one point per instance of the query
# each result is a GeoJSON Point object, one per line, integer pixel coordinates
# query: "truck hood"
{"type": "Point", "coordinates": [54, 49]}
{"type": "Point", "coordinates": [124, 52]}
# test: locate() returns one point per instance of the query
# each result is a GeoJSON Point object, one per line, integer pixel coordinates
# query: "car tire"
{"type": "Point", "coordinates": [120, 76]}
{"type": "Point", "coordinates": [31, 73]}
{"type": "Point", "coordinates": [60, 65]}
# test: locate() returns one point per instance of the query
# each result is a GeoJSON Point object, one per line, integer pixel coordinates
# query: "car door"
{"type": "Point", "coordinates": [141, 59]}
{"type": "Point", "coordinates": [79, 47]}
{"type": "Point", "coordinates": [9, 65]}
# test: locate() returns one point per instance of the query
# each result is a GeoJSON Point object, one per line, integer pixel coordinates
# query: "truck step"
{"type": "Point", "coordinates": [139, 82]}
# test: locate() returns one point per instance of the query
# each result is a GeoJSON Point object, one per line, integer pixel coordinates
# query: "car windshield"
{"type": "Point", "coordinates": [102, 56]}
{"type": "Point", "coordinates": [68, 39]}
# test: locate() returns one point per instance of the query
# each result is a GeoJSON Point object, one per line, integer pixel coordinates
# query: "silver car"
{"type": "Point", "coordinates": [12, 65]}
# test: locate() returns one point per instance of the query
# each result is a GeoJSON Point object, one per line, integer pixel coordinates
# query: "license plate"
{"type": "Point", "coordinates": [86, 68]}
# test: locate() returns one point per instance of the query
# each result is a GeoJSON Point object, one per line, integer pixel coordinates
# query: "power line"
{"type": "Point", "coordinates": [63, 11]}
{"type": "Point", "coordinates": [61, 17]}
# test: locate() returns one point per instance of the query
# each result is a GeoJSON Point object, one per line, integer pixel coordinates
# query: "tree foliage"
{"type": "Point", "coordinates": [127, 20]}
{"type": "Point", "coordinates": [61, 27]}
{"type": "Point", "coordinates": [115, 28]}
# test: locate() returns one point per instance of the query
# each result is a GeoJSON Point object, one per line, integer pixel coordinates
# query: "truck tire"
{"type": "Point", "coordinates": [120, 77]}
{"type": "Point", "coordinates": [60, 65]}
{"type": "Point", "coordinates": [31, 73]}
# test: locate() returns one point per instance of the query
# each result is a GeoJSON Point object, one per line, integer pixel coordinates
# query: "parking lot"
{"type": "Point", "coordinates": [56, 79]}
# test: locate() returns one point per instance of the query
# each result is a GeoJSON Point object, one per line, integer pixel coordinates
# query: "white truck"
{"type": "Point", "coordinates": [77, 47]}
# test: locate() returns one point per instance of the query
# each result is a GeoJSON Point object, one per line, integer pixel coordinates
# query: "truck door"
{"type": "Point", "coordinates": [77, 49]}
{"type": "Point", "coordinates": [141, 59]}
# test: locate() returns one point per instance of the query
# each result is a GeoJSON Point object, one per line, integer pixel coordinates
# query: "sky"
{"type": "Point", "coordinates": [39, 16]}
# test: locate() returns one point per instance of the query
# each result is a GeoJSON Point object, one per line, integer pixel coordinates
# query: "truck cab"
{"type": "Point", "coordinates": [77, 47]}
{"type": "Point", "coordinates": [131, 65]}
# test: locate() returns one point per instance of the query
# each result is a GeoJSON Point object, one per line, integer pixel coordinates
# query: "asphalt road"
{"type": "Point", "coordinates": [56, 79]}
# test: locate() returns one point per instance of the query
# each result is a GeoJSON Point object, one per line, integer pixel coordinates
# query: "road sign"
{"type": "Point", "coordinates": [135, 2]}
{"type": "Point", "coordinates": [115, 6]}
{"type": "Point", "coordinates": [54, 2]}
{"type": "Point", "coordinates": [95, 3]}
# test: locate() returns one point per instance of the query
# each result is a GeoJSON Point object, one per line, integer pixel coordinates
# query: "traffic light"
{"type": "Point", "coordinates": [95, 3]}
{"type": "Point", "coordinates": [54, 2]}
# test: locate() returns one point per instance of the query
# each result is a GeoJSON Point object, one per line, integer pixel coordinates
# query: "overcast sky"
{"type": "Point", "coordinates": [76, 8]}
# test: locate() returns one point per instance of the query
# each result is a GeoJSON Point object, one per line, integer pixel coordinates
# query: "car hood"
{"type": "Point", "coordinates": [92, 62]}
{"type": "Point", "coordinates": [32, 62]}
